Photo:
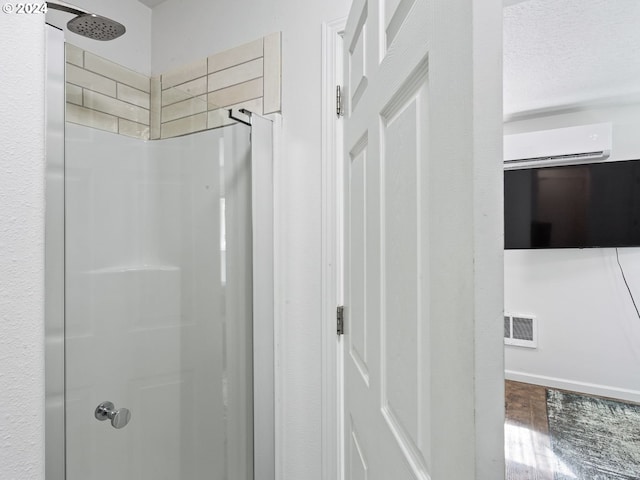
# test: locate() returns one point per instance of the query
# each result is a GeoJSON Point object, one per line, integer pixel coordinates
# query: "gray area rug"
{"type": "Point", "coordinates": [594, 438]}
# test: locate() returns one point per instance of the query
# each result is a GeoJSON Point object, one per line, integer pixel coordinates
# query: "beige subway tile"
{"type": "Point", "coordinates": [74, 54]}
{"type": "Point", "coordinates": [272, 73]}
{"type": "Point", "coordinates": [184, 109]}
{"type": "Point", "coordinates": [234, 75]}
{"type": "Point", "coordinates": [175, 95]}
{"type": "Point", "coordinates": [133, 129]}
{"type": "Point", "coordinates": [97, 83]}
{"type": "Point", "coordinates": [195, 123]}
{"type": "Point", "coordinates": [220, 117]}
{"type": "Point", "coordinates": [156, 95]}
{"type": "Point", "coordinates": [184, 74]}
{"type": "Point", "coordinates": [184, 91]}
{"type": "Point", "coordinates": [91, 118]}
{"type": "Point", "coordinates": [235, 56]}
{"type": "Point", "coordinates": [236, 94]}
{"type": "Point", "coordinates": [254, 106]}
{"type": "Point", "coordinates": [115, 107]}
{"type": "Point", "coordinates": [74, 94]}
{"type": "Point", "coordinates": [116, 72]}
{"type": "Point", "coordinates": [133, 95]}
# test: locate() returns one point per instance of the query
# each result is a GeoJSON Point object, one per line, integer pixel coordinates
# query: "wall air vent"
{"type": "Point", "coordinates": [560, 146]}
{"type": "Point", "coordinates": [520, 331]}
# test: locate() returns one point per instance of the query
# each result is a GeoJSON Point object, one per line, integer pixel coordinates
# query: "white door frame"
{"type": "Point", "coordinates": [332, 268]}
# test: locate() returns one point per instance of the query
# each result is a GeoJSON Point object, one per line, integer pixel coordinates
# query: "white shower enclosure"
{"type": "Point", "coordinates": [159, 338]}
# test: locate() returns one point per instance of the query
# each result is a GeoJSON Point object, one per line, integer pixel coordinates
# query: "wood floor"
{"type": "Point", "coordinates": [527, 447]}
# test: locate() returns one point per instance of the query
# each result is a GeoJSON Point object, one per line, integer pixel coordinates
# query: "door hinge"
{"type": "Point", "coordinates": [340, 318]}
{"type": "Point", "coordinates": [339, 110]}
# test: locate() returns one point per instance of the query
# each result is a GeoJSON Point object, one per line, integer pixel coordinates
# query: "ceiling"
{"type": "Point", "coordinates": [568, 52]}
{"type": "Point", "coordinates": [152, 3]}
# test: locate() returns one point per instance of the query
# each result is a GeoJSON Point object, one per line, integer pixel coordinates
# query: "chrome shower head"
{"type": "Point", "coordinates": [88, 24]}
{"type": "Point", "coordinates": [96, 27]}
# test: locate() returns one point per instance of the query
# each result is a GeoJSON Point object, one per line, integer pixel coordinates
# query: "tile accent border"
{"type": "Point", "coordinates": [195, 97]}
{"type": "Point", "coordinates": [104, 95]}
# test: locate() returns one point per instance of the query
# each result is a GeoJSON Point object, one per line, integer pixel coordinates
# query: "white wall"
{"type": "Point", "coordinates": [22, 94]}
{"type": "Point", "coordinates": [589, 332]}
{"type": "Point", "coordinates": [22, 247]}
{"type": "Point", "coordinates": [187, 31]}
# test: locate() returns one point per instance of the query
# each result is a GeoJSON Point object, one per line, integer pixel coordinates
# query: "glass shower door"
{"type": "Point", "coordinates": [158, 332]}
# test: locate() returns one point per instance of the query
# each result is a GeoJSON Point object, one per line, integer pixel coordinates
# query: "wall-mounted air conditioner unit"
{"type": "Point", "coordinates": [560, 146]}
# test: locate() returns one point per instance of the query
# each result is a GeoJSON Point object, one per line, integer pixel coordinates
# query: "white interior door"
{"type": "Point", "coordinates": [423, 240]}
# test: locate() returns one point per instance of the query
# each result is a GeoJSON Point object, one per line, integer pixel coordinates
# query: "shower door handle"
{"type": "Point", "coordinates": [119, 418]}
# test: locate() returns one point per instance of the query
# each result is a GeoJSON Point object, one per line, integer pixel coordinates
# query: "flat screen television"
{"type": "Point", "coordinates": [576, 206]}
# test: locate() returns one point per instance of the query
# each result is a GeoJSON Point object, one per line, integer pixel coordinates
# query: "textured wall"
{"type": "Point", "coordinates": [22, 247]}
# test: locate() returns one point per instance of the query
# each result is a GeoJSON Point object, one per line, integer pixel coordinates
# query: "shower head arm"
{"type": "Point", "coordinates": [65, 7]}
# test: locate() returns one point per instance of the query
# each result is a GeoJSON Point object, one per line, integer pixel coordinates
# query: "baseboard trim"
{"type": "Point", "coordinates": [574, 386]}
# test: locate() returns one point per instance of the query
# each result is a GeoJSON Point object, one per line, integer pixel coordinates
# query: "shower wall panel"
{"type": "Point", "coordinates": [158, 269]}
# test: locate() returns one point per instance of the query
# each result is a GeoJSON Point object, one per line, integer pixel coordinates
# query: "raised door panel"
{"type": "Point", "coordinates": [358, 325]}
{"type": "Point", "coordinates": [405, 402]}
{"type": "Point", "coordinates": [409, 197]}
{"type": "Point", "coordinates": [357, 62]}
{"type": "Point", "coordinates": [396, 13]}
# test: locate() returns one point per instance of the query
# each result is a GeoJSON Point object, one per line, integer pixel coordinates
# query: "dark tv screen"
{"type": "Point", "coordinates": [577, 206]}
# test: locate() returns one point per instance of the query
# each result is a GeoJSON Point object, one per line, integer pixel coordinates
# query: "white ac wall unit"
{"type": "Point", "coordinates": [560, 146]}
